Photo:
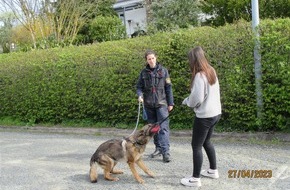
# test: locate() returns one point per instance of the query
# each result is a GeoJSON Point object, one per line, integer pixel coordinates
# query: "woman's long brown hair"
{"type": "Point", "coordinates": [199, 63]}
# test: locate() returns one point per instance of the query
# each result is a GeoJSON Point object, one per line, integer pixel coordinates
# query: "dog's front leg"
{"type": "Point", "coordinates": [134, 172]}
{"type": "Point", "coordinates": [142, 165]}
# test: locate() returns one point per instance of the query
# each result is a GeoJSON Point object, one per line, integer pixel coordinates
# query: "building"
{"type": "Point", "coordinates": [133, 15]}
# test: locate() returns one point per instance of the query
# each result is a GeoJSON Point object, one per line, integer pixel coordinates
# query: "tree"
{"type": "Point", "coordinates": [222, 11]}
{"type": "Point", "coordinates": [229, 11]}
{"type": "Point", "coordinates": [6, 31]}
{"type": "Point", "coordinates": [104, 9]}
{"type": "Point", "coordinates": [274, 8]}
{"type": "Point", "coordinates": [21, 37]}
{"type": "Point", "coordinates": [148, 7]}
{"type": "Point", "coordinates": [69, 16]}
{"type": "Point", "coordinates": [57, 20]}
{"type": "Point", "coordinates": [106, 28]}
{"type": "Point", "coordinates": [167, 15]}
{"type": "Point", "coordinates": [26, 12]}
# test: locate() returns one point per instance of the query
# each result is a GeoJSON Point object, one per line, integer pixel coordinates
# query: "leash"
{"type": "Point", "coordinates": [139, 108]}
{"type": "Point", "coordinates": [160, 122]}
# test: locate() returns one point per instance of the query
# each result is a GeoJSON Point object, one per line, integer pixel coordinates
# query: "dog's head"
{"type": "Point", "coordinates": [151, 129]}
{"type": "Point", "coordinates": [143, 135]}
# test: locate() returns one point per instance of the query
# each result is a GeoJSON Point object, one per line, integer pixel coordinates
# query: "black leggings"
{"type": "Point", "coordinates": [201, 134]}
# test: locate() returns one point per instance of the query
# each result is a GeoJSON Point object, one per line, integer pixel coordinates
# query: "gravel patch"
{"type": "Point", "coordinates": [34, 159]}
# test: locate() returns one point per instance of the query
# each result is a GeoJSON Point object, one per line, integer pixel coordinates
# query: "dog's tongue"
{"type": "Point", "coordinates": [155, 129]}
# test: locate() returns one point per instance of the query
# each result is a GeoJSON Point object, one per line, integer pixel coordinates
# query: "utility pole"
{"type": "Point", "coordinates": [257, 57]}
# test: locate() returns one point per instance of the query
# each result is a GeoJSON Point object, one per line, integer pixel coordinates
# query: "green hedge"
{"type": "Point", "coordinates": [97, 82]}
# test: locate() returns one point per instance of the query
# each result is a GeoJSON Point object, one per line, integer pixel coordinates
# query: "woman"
{"type": "Point", "coordinates": [205, 100]}
{"type": "Point", "coordinates": [154, 88]}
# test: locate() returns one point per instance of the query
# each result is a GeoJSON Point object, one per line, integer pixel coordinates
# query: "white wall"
{"type": "Point", "coordinates": [138, 20]}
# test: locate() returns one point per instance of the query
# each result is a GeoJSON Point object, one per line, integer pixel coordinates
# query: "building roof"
{"type": "Point", "coordinates": [126, 3]}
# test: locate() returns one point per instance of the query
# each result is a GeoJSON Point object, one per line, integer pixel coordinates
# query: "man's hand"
{"type": "Point", "coordinates": [140, 99]}
{"type": "Point", "coordinates": [170, 108]}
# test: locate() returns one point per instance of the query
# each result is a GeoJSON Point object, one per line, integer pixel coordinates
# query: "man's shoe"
{"type": "Point", "coordinates": [166, 158]}
{"type": "Point", "coordinates": [157, 152]}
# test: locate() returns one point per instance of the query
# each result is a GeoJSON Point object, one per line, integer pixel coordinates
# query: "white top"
{"type": "Point", "coordinates": [204, 98]}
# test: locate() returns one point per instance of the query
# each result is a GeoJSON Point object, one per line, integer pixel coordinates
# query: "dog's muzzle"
{"type": "Point", "coordinates": [155, 129]}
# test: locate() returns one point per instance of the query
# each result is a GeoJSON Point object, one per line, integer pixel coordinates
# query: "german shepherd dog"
{"type": "Point", "coordinates": [130, 150]}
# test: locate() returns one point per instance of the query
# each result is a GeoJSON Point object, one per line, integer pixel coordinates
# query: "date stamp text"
{"type": "Point", "coordinates": [249, 173]}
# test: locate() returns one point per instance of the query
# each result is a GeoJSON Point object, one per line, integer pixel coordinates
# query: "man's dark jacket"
{"type": "Point", "coordinates": [155, 86]}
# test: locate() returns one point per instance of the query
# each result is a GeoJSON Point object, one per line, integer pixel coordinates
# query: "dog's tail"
{"type": "Point", "coordinates": [93, 172]}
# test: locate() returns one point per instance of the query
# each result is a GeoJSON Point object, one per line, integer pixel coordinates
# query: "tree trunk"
{"type": "Point", "coordinates": [6, 48]}
{"type": "Point", "coordinates": [148, 11]}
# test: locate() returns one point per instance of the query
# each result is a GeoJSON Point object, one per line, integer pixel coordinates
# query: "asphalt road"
{"type": "Point", "coordinates": [58, 161]}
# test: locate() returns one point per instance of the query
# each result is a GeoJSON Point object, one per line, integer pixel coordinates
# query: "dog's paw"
{"type": "Point", "coordinates": [140, 180]}
{"type": "Point", "coordinates": [151, 174]}
{"type": "Point", "coordinates": [115, 179]}
{"type": "Point", "coordinates": [109, 178]}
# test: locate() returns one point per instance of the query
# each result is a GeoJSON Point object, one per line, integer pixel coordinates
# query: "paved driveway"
{"type": "Point", "coordinates": [56, 161]}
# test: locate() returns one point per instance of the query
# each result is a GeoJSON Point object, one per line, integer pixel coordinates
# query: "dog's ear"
{"type": "Point", "coordinates": [147, 129]}
{"type": "Point", "coordinates": [152, 124]}
{"type": "Point", "coordinates": [140, 133]}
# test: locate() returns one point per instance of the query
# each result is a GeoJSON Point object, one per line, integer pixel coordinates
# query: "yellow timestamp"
{"type": "Point", "coordinates": [249, 173]}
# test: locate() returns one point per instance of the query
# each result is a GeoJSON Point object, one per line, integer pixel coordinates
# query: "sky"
{"type": "Point", "coordinates": [1, 12]}
{"type": "Point", "coordinates": [3, 9]}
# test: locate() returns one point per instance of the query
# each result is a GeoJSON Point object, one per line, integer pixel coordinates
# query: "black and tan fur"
{"type": "Point", "coordinates": [130, 150]}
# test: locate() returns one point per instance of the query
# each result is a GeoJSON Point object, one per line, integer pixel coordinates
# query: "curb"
{"type": "Point", "coordinates": [259, 136]}
{"type": "Point", "coordinates": [246, 136]}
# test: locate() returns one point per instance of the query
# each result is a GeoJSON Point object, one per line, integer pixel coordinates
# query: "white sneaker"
{"type": "Point", "coordinates": [191, 182]}
{"type": "Point", "coordinates": [210, 173]}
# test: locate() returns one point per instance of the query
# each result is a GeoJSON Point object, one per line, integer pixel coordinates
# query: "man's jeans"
{"type": "Point", "coordinates": [161, 140]}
